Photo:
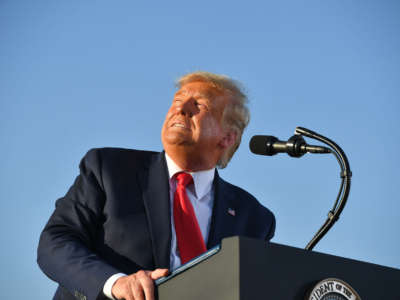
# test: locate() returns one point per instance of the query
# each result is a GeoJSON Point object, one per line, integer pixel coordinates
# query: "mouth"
{"type": "Point", "coordinates": [179, 124]}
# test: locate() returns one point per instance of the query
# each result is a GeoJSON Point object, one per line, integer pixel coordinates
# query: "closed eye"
{"type": "Point", "coordinates": [202, 104]}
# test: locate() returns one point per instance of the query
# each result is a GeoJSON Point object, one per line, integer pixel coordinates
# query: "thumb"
{"type": "Point", "coordinates": [157, 273]}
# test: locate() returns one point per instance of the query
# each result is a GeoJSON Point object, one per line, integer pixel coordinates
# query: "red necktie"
{"type": "Point", "coordinates": [190, 241]}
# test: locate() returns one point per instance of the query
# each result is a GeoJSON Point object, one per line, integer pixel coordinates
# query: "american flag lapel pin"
{"type": "Point", "coordinates": [232, 212]}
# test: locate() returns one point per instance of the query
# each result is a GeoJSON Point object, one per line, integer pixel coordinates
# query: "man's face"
{"type": "Point", "coordinates": [194, 120]}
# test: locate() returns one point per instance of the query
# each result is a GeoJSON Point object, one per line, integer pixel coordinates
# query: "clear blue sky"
{"type": "Point", "coordinates": [81, 74]}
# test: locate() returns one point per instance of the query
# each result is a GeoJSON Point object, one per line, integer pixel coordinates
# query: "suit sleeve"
{"type": "Point", "coordinates": [67, 246]}
{"type": "Point", "coordinates": [271, 228]}
{"type": "Point", "coordinates": [263, 221]}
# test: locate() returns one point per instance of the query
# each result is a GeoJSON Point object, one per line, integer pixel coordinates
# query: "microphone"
{"type": "Point", "coordinates": [296, 146]}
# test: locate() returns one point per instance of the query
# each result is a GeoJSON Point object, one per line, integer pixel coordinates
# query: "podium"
{"type": "Point", "coordinates": [248, 269]}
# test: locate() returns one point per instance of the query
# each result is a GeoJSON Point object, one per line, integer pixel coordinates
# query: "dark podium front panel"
{"type": "Point", "coordinates": [247, 269]}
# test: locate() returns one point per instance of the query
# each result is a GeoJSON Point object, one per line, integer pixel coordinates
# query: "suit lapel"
{"type": "Point", "coordinates": [222, 221]}
{"type": "Point", "coordinates": [155, 186]}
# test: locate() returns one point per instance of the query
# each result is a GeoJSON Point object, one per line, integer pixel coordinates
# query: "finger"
{"type": "Point", "coordinates": [147, 286]}
{"type": "Point", "coordinates": [128, 296]}
{"type": "Point", "coordinates": [136, 289]}
{"type": "Point", "coordinates": [157, 273]}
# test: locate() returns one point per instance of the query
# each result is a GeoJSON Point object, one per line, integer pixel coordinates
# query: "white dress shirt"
{"type": "Point", "coordinates": [200, 195]}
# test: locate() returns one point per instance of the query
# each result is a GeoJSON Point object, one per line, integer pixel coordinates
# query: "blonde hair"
{"type": "Point", "coordinates": [236, 114]}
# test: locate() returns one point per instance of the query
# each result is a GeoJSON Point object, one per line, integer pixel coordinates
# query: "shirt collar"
{"type": "Point", "coordinates": [202, 179]}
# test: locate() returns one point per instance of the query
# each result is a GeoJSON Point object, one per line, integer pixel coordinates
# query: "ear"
{"type": "Point", "coordinates": [228, 139]}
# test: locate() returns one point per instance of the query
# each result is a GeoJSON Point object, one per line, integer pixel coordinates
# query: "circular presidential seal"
{"type": "Point", "coordinates": [332, 289]}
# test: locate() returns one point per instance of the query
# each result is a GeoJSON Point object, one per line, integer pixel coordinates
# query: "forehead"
{"type": "Point", "coordinates": [200, 88]}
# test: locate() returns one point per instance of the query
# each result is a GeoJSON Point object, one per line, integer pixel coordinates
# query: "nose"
{"type": "Point", "coordinates": [187, 107]}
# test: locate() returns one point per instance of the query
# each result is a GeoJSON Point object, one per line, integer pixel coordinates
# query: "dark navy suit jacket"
{"type": "Point", "coordinates": [116, 218]}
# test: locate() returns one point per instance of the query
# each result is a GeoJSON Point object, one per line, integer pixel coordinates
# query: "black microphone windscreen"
{"type": "Point", "coordinates": [260, 144]}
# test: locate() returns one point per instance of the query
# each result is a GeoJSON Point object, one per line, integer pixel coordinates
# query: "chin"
{"type": "Point", "coordinates": [176, 138]}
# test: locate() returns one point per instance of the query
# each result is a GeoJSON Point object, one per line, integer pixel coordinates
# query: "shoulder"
{"type": "Point", "coordinates": [118, 155]}
{"type": "Point", "coordinates": [255, 214]}
{"type": "Point", "coordinates": [114, 153]}
{"type": "Point", "coordinates": [242, 196]}
{"type": "Point", "coordinates": [116, 160]}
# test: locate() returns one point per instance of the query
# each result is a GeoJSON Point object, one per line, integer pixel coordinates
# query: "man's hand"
{"type": "Point", "coordinates": [137, 286]}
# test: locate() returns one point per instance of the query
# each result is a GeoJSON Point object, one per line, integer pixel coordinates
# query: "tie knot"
{"type": "Point", "coordinates": [184, 179]}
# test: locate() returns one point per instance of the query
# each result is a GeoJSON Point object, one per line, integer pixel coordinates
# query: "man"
{"type": "Point", "coordinates": [120, 227]}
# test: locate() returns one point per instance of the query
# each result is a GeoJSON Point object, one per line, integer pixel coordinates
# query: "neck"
{"type": "Point", "coordinates": [189, 161]}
